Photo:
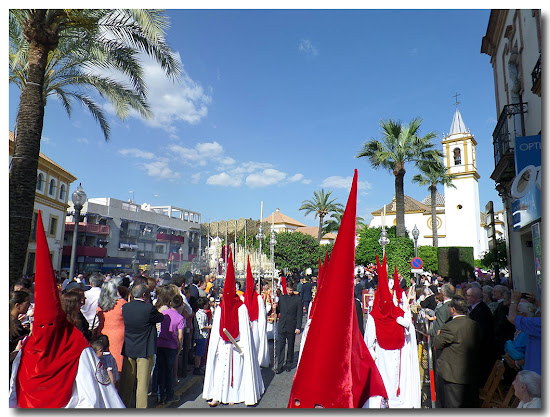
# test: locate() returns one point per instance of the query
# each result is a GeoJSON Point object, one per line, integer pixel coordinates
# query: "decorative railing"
{"type": "Point", "coordinates": [502, 141]}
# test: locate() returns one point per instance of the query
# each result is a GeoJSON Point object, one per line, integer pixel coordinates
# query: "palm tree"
{"type": "Point", "coordinates": [432, 174]}
{"type": "Point", "coordinates": [54, 49]}
{"type": "Point", "coordinates": [321, 206]}
{"type": "Point", "coordinates": [399, 144]}
{"type": "Point", "coordinates": [333, 224]}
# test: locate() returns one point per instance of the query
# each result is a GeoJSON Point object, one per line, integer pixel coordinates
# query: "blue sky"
{"type": "Point", "coordinates": [275, 104]}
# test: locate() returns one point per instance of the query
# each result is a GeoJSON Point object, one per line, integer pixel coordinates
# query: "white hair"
{"type": "Point", "coordinates": [532, 382]}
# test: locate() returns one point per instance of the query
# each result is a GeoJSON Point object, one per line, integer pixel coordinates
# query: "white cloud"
{"type": "Point", "coordinates": [195, 178]}
{"type": "Point", "coordinates": [159, 169]}
{"type": "Point", "coordinates": [307, 47]}
{"type": "Point", "coordinates": [344, 182]}
{"type": "Point", "coordinates": [306, 182]}
{"type": "Point", "coordinates": [224, 180]}
{"type": "Point", "coordinates": [136, 153]}
{"type": "Point", "coordinates": [266, 177]}
{"type": "Point", "coordinates": [202, 154]}
{"type": "Point", "coordinates": [295, 178]}
{"type": "Point", "coordinates": [82, 140]}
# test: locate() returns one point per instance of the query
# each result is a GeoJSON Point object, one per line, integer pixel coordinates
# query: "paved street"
{"type": "Point", "coordinates": [277, 388]}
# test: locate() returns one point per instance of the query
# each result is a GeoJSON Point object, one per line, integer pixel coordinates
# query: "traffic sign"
{"type": "Point", "coordinates": [417, 263]}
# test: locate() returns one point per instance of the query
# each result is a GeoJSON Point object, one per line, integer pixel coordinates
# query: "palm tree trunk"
{"type": "Point", "coordinates": [433, 191]}
{"type": "Point", "coordinates": [30, 119]}
{"type": "Point", "coordinates": [320, 234]}
{"type": "Point", "coordinates": [399, 203]}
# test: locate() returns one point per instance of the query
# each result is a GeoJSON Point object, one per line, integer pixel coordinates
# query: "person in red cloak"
{"type": "Point", "coordinates": [340, 374]}
{"type": "Point", "coordinates": [232, 372]}
{"type": "Point", "coordinates": [385, 334]}
{"type": "Point", "coordinates": [56, 367]}
{"type": "Point", "coordinates": [258, 318]}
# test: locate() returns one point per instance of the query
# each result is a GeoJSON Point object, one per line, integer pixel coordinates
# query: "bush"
{"type": "Point", "coordinates": [456, 263]}
{"type": "Point", "coordinates": [297, 251]}
{"type": "Point", "coordinates": [428, 254]}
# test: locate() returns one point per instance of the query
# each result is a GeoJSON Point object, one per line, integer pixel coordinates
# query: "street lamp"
{"type": "Point", "coordinates": [415, 233]}
{"type": "Point", "coordinates": [78, 198]}
{"type": "Point", "coordinates": [383, 241]}
{"type": "Point", "coordinates": [260, 236]}
{"type": "Point", "coordinates": [272, 243]}
{"type": "Point", "coordinates": [180, 251]}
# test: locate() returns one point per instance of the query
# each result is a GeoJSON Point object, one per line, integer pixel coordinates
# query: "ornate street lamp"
{"type": "Point", "coordinates": [272, 243]}
{"type": "Point", "coordinates": [383, 241]}
{"type": "Point", "coordinates": [78, 198]}
{"type": "Point", "coordinates": [415, 233]}
{"type": "Point", "coordinates": [260, 236]}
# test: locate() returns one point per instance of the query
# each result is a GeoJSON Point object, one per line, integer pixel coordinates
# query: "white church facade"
{"type": "Point", "coordinates": [460, 221]}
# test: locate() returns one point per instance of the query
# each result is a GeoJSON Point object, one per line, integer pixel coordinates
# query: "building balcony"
{"type": "Point", "coordinates": [85, 251]}
{"type": "Point", "coordinates": [536, 78]}
{"type": "Point", "coordinates": [510, 124]}
{"type": "Point", "coordinates": [92, 228]}
{"type": "Point", "coordinates": [169, 238]}
{"type": "Point", "coordinates": [129, 233]}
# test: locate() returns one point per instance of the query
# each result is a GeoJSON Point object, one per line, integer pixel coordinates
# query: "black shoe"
{"type": "Point", "coordinates": [288, 368]}
{"type": "Point", "coordinates": [279, 371]}
{"type": "Point", "coordinates": [198, 371]}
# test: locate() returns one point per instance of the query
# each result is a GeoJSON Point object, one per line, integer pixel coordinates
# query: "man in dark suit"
{"type": "Point", "coordinates": [458, 363]}
{"type": "Point", "coordinates": [290, 309]}
{"type": "Point", "coordinates": [442, 313]}
{"type": "Point", "coordinates": [307, 292]}
{"type": "Point", "coordinates": [481, 313]}
{"type": "Point", "coordinates": [140, 346]}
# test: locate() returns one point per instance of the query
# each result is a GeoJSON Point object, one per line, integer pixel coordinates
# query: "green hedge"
{"type": "Point", "coordinates": [456, 263]}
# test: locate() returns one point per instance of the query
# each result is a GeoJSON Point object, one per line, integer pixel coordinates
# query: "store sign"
{"type": "Point", "coordinates": [526, 186]}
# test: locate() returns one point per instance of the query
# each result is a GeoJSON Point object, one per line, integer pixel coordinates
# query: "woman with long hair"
{"type": "Point", "coordinates": [71, 302]}
{"type": "Point", "coordinates": [109, 316]}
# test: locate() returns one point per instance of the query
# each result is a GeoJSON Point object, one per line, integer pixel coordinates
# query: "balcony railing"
{"type": "Point", "coordinates": [510, 121]}
{"type": "Point", "coordinates": [536, 77]}
{"type": "Point", "coordinates": [129, 233]}
{"type": "Point", "coordinates": [98, 229]}
{"type": "Point", "coordinates": [167, 237]}
{"type": "Point", "coordinates": [86, 251]}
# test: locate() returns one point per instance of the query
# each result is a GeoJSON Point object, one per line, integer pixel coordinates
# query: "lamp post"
{"type": "Point", "coordinates": [415, 233]}
{"type": "Point", "coordinates": [260, 236]}
{"type": "Point", "coordinates": [383, 241]}
{"type": "Point", "coordinates": [272, 243]}
{"type": "Point", "coordinates": [180, 251]}
{"type": "Point", "coordinates": [78, 198]}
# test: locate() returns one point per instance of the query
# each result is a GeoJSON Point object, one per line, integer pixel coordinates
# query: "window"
{"type": "Point", "coordinates": [33, 226]}
{"type": "Point", "coordinates": [52, 188]}
{"type": "Point", "coordinates": [40, 182]}
{"type": "Point", "coordinates": [62, 192]}
{"type": "Point", "coordinates": [159, 249]}
{"type": "Point", "coordinates": [457, 157]}
{"type": "Point", "coordinates": [52, 229]}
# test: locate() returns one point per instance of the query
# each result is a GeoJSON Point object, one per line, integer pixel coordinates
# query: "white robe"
{"type": "Point", "coordinates": [259, 334]}
{"type": "Point", "coordinates": [304, 333]}
{"type": "Point", "coordinates": [87, 391]}
{"type": "Point", "coordinates": [231, 377]}
{"type": "Point", "coordinates": [389, 363]}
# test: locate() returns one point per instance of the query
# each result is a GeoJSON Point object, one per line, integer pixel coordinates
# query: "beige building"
{"type": "Point", "coordinates": [282, 223]}
{"type": "Point", "coordinates": [51, 197]}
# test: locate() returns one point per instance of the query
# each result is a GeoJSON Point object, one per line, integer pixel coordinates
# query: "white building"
{"type": "Point", "coordinates": [460, 221]}
{"type": "Point", "coordinates": [51, 197]}
{"type": "Point", "coordinates": [514, 43]}
{"type": "Point", "coordinates": [116, 234]}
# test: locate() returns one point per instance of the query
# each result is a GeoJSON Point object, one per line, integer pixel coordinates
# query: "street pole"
{"type": "Point", "coordinates": [272, 243]}
{"type": "Point", "coordinates": [260, 236]}
{"type": "Point", "coordinates": [78, 198]}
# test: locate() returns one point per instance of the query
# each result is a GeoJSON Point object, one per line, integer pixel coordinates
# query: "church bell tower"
{"type": "Point", "coordinates": [462, 209]}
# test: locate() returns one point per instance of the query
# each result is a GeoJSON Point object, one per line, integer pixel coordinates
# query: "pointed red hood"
{"type": "Point", "coordinates": [340, 374]}
{"type": "Point", "coordinates": [319, 279]}
{"type": "Point", "coordinates": [283, 285]}
{"type": "Point", "coordinates": [250, 294]}
{"type": "Point", "coordinates": [49, 360]}
{"type": "Point", "coordinates": [230, 303]}
{"type": "Point", "coordinates": [389, 334]}
{"type": "Point", "coordinates": [396, 287]}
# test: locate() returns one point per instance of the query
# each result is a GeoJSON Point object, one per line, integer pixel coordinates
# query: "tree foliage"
{"type": "Point", "coordinates": [297, 251]}
{"type": "Point", "coordinates": [321, 206]}
{"type": "Point", "coordinates": [399, 251]}
{"type": "Point", "coordinates": [428, 254]}
{"type": "Point", "coordinates": [499, 256]}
